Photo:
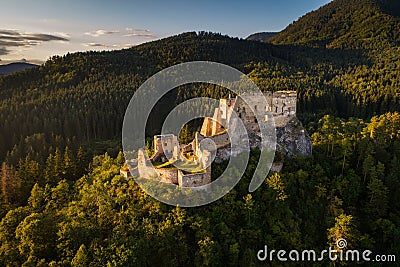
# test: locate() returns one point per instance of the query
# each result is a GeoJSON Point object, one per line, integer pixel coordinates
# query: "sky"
{"type": "Point", "coordinates": [33, 31]}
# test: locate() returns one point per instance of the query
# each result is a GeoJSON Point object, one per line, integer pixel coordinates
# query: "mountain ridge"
{"type": "Point", "coordinates": [359, 24]}
{"type": "Point", "coordinates": [13, 67]}
{"type": "Point", "coordinates": [261, 36]}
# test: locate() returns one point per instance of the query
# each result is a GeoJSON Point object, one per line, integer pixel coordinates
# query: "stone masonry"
{"type": "Point", "coordinates": [291, 139]}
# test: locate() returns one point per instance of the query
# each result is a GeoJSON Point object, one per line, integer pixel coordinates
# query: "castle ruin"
{"type": "Point", "coordinates": [281, 104]}
{"type": "Point", "coordinates": [196, 157]}
{"type": "Point", "coordinates": [171, 164]}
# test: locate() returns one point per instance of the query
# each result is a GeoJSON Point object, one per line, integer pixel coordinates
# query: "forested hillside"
{"type": "Point", "coordinates": [63, 202]}
{"type": "Point", "coordinates": [348, 189]}
{"type": "Point", "coordinates": [84, 95]}
{"type": "Point", "coordinates": [358, 24]}
{"type": "Point", "coordinates": [261, 36]}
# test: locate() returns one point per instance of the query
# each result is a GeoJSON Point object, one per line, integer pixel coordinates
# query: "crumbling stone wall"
{"type": "Point", "coordinates": [164, 147]}
{"type": "Point", "coordinates": [281, 104]}
{"type": "Point", "coordinates": [194, 180]}
{"type": "Point", "coordinates": [168, 175]}
{"type": "Point", "coordinates": [291, 137]}
{"type": "Point", "coordinates": [284, 103]}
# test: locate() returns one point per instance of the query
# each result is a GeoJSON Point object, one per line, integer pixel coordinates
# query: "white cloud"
{"type": "Point", "coordinates": [129, 29]}
{"type": "Point", "coordinates": [63, 34]}
{"type": "Point", "coordinates": [113, 46]}
{"type": "Point", "coordinates": [98, 33]}
{"type": "Point", "coordinates": [146, 35]}
{"type": "Point", "coordinates": [14, 39]}
{"type": "Point", "coordinates": [94, 45]}
{"type": "Point", "coordinates": [134, 32]}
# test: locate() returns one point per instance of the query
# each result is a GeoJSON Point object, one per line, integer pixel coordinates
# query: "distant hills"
{"type": "Point", "coordinates": [357, 24]}
{"type": "Point", "coordinates": [15, 67]}
{"type": "Point", "coordinates": [261, 36]}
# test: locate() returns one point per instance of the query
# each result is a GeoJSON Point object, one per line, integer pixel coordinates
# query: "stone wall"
{"type": "Point", "coordinates": [164, 147]}
{"type": "Point", "coordinates": [284, 103]}
{"type": "Point", "coordinates": [212, 126]}
{"type": "Point", "coordinates": [194, 180]}
{"type": "Point", "coordinates": [206, 128]}
{"type": "Point", "coordinates": [168, 175]}
{"type": "Point", "coordinates": [292, 139]}
{"type": "Point", "coordinates": [221, 140]}
{"type": "Point", "coordinates": [282, 120]}
{"type": "Point", "coordinates": [279, 104]}
{"type": "Point", "coordinates": [144, 167]}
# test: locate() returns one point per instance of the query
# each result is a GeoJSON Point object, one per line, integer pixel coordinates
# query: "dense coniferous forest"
{"type": "Point", "coordinates": [63, 202]}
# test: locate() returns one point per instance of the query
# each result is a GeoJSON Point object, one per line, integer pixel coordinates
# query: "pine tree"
{"type": "Point", "coordinates": [37, 235]}
{"type": "Point", "coordinates": [80, 259]}
{"type": "Point", "coordinates": [378, 197]}
{"type": "Point", "coordinates": [60, 195]}
{"type": "Point", "coordinates": [184, 135]}
{"type": "Point", "coordinates": [37, 198]}
{"type": "Point", "coordinates": [275, 183]}
{"type": "Point", "coordinates": [10, 186]}
{"type": "Point", "coordinates": [120, 158]}
{"type": "Point", "coordinates": [28, 173]}
{"type": "Point", "coordinates": [346, 229]}
{"type": "Point", "coordinates": [49, 172]}
{"type": "Point", "coordinates": [58, 165]}
{"type": "Point", "coordinates": [81, 163]}
{"type": "Point", "coordinates": [368, 163]}
{"type": "Point", "coordinates": [68, 165]}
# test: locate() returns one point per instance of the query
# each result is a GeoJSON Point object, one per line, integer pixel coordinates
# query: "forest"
{"type": "Point", "coordinates": [83, 213]}
{"type": "Point", "coordinates": [63, 202]}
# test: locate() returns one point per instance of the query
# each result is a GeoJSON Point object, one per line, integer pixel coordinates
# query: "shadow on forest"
{"type": "Point", "coordinates": [304, 56]}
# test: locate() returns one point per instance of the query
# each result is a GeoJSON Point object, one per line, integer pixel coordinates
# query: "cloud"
{"type": "Point", "coordinates": [8, 32]}
{"type": "Point", "coordinates": [14, 38]}
{"type": "Point", "coordinates": [111, 46]}
{"type": "Point", "coordinates": [146, 35]}
{"type": "Point", "coordinates": [94, 45]}
{"type": "Point", "coordinates": [108, 46]}
{"type": "Point", "coordinates": [3, 51]}
{"type": "Point", "coordinates": [63, 34]}
{"type": "Point", "coordinates": [136, 30]}
{"type": "Point", "coordinates": [101, 33]}
{"type": "Point", "coordinates": [40, 37]}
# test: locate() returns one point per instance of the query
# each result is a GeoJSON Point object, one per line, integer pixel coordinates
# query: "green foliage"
{"type": "Point", "coordinates": [64, 205]}
{"type": "Point", "coordinates": [104, 219]}
{"type": "Point", "coordinates": [344, 228]}
{"type": "Point", "coordinates": [346, 24]}
{"type": "Point", "coordinates": [275, 182]}
{"type": "Point", "coordinates": [80, 259]}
